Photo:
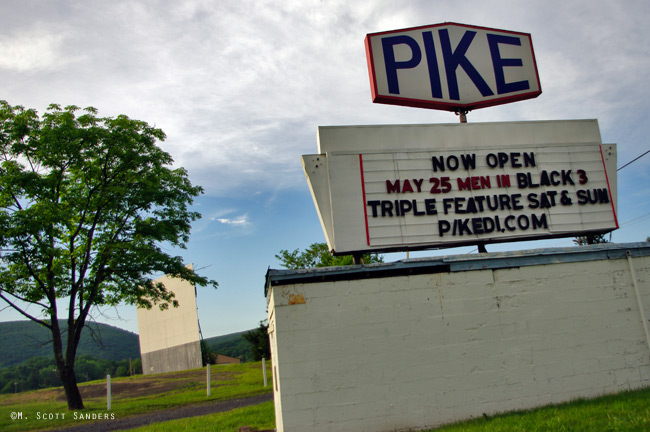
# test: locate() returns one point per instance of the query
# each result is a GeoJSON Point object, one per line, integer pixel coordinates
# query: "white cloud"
{"type": "Point", "coordinates": [31, 53]}
{"type": "Point", "coordinates": [237, 221]}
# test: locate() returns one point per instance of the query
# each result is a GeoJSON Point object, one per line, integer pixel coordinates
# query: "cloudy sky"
{"type": "Point", "coordinates": [241, 86]}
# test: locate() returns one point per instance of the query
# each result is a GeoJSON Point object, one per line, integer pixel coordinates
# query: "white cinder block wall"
{"type": "Point", "coordinates": [415, 344]}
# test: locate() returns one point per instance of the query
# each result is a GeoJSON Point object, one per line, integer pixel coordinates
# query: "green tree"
{"type": "Point", "coordinates": [49, 377]}
{"type": "Point", "coordinates": [88, 368]}
{"type": "Point", "coordinates": [206, 353]}
{"type": "Point", "coordinates": [590, 239]}
{"type": "Point", "coordinates": [318, 255]}
{"type": "Point", "coordinates": [86, 205]}
{"type": "Point", "coordinates": [136, 367]}
{"type": "Point", "coordinates": [259, 339]}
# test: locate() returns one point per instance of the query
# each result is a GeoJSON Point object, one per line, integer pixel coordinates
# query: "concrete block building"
{"type": "Point", "coordinates": [418, 343]}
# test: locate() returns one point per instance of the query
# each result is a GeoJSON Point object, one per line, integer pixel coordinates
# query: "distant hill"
{"type": "Point", "coordinates": [233, 345]}
{"type": "Point", "coordinates": [22, 340]}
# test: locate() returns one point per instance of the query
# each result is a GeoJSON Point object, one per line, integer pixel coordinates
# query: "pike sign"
{"type": "Point", "coordinates": [401, 187]}
{"type": "Point", "coordinates": [453, 67]}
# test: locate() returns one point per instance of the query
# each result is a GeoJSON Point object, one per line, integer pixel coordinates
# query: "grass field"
{"type": "Point", "coordinates": [135, 395]}
{"type": "Point", "coordinates": [260, 416]}
{"type": "Point", "coordinates": [627, 411]}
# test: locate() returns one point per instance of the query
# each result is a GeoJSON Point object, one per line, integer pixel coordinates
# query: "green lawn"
{"type": "Point", "coordinates": [260, 416]}
{"type": "Point", "coordinates": [627, 411]}
{"type": "Point", "coordinates": [140, 394]}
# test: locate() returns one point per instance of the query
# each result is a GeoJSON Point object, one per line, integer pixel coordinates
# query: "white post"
{"type": "Point", "coordinates": [207, 373]}
{"type": "Point", "coordinates": [108, 392]}
{"type": "Point", "coordinates": [264, 371]}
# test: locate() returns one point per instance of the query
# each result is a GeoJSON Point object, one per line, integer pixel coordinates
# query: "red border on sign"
{"type": "Point", "coordinates": [371, 68]}
{"type": "Point", "coordinates": [609, 189]}
{"type": "Point", "coordinates": [445, 106]}
{"type": "Point", "coordinates": [363, 194]}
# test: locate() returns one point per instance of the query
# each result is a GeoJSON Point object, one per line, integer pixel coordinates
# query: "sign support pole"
{"type": "Point", "coordinates": [462, 114]}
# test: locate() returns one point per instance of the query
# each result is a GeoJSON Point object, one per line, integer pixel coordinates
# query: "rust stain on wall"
{"type": "Point", "coordinates": [296, 299]}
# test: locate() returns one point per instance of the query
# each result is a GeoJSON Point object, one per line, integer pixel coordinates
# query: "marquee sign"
{"type": "Point", "coordinates": [451, 67]}
{"type": "Point", "coordinates": [382, 188]}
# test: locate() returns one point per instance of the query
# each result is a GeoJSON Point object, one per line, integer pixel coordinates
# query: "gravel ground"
{"type": "Point", "coordinates": [160, 416]}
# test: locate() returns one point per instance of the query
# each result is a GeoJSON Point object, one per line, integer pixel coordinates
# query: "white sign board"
{"type": "Point", "coordinates": [451, 67]}
{"type": "Point", "coordinates": [382, 188]}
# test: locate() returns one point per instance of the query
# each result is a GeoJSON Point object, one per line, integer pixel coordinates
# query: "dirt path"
{"type": "Point", "coordinates": [160, 416]}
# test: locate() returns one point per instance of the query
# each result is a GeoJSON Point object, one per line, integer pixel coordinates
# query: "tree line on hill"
{"type": "Point", "coordinates": [40, 372]}
{"type": "Point", "coordinates": [22, 340]}
{"type": "Point", "coordinates": [252, 345]}
{"type": "Point", "coordinates": [26, 361]}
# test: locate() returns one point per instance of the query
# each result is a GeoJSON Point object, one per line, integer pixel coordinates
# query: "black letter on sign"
{"type": "Point", "coordinates": [456, 58]}
{"type": "Point", "coordinates": [499, 63]}
{"type": "Point", "coordinates": [392, 65]}
{"type": "Point", "coordinates": [432, 62]}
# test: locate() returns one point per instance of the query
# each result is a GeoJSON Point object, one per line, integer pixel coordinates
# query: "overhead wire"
{"type": "Point", "coordinates": [644, 216]}
{"type": "Point", "coordinates": [633, 160]}
{"type": "Point", "coordinates": [636, 219]}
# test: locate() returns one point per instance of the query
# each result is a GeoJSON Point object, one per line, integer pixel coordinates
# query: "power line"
{"type": "Point", "coordinates": [634, 160]}
{"type": "Point", "coordinates": [636, 219]}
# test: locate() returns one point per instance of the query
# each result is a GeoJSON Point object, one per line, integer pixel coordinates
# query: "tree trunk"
{"type": "Point", "coordinates": [69, 381]}
{"type": "Point", "coordinates": [65, 367]}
